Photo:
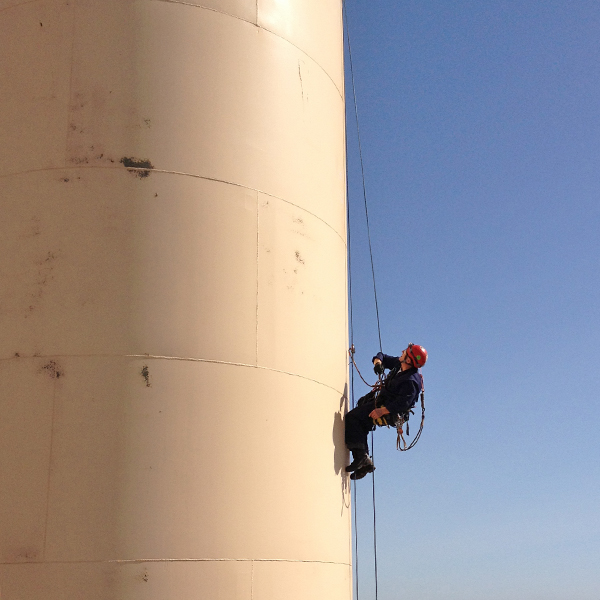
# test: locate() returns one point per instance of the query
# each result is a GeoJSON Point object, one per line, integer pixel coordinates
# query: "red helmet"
{"type": "Point", "coordinates": [417, 354]}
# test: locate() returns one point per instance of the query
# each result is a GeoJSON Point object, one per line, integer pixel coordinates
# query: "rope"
{"type": "Point", "coordinates": [351, 328]}
{"type": "Point", "coordinates": [345, 20]}
{"type": "Point", "coordinates": [374, 516]}
{"type": "Point", "coordinates": [377, 385]}
{"type": "Point", "coordinates": [401, 424]}
{"type": "Point", "coordinates": [362, 170]}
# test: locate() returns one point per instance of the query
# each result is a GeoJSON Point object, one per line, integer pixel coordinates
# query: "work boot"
{"type": "Point", "coordinates": [364, 469]}
{"type": "Point", "coordinates": [360, 462]}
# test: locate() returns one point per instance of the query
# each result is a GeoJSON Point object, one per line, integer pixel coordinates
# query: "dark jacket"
{"type": "Point", "coordinates": [402, 388]}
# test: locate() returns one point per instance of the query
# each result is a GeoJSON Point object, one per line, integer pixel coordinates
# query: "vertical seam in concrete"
{"type": "Point", "coordinates": [49, 471]}
{"type": "Point", "coordinates": [73, 15]}
{"type": "Point", "coordinates": [257, 269]}
{"type": "Point", "coordinates": [257, 13]}
{"type": "Point", "coordinates": [252, 580]}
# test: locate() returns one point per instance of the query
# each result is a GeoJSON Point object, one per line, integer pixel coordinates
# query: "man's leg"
{"type": "Point", "coordinates": [357, 426]}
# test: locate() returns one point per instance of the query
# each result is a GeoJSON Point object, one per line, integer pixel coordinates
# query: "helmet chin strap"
{"type": "Point", "coordinates": [406, 361]}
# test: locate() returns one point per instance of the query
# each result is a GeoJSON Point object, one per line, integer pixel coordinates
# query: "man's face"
{"type": "Point", "coordinates": [406, 359]}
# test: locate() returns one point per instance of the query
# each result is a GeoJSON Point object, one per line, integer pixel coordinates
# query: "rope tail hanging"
{"type": "Point", "coordinates": [402, 420]}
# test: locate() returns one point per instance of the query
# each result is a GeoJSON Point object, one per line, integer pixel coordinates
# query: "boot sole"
{"type": "Point", "coordinates": [362, 473]}
{"type": "Point", "coordinates": [350, 468]}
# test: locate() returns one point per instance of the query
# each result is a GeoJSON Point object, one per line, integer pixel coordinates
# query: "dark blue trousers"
{"type": "Point", "coordinates": [358, 424]}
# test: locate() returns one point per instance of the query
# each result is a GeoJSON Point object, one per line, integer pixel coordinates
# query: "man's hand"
{"type": "Point", "coordinates": [378, 367]}
{"type": "Point", "coordinates": [378, 415]}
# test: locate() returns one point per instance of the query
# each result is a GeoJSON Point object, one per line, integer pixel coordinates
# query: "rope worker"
{"type": "Point", "coordinates": [384, 404]}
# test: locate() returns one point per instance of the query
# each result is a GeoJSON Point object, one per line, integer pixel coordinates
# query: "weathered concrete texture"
{"type": "Point", "coordinates": [209, 579]}
{"type": "Point", "coordinates": [172, 301]}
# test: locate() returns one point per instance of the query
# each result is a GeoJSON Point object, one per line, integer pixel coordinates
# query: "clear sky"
{"type": "Point", "coordinates": [480, 125]}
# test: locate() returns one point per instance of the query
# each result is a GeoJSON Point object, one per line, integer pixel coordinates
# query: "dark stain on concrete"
{"type": "Point", "coordinates": [299, 258]}
{"type": "Point", "coordinates": [146, 375]}
{"type": "Point", "coordinates": [44, 275]}
{"type": "Point", "coordinates": [138, 166]}
{"type": "Point", "coordinates": [22, 555]}
{"type": "Point", "coordinates": [53, 369]}
{"type": "Point", "coordinates": [300, 76]}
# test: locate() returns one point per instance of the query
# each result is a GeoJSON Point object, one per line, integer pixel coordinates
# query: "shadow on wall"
{"type": "Point", "coordinates": [340, 452]}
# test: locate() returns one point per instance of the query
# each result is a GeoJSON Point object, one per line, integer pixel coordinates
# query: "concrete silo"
{"type": "Point", "coordinates": [172, 301]}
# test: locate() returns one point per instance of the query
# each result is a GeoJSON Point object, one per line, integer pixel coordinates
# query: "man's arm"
{"type": "Point", "coordinates": [388, 362]}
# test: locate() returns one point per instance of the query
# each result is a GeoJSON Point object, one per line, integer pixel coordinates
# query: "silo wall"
{"type": "Point", "coordinates": [172, 301]}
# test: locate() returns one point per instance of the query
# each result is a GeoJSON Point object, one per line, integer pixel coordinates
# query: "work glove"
{"type": "Point", "coordinates": [378, 367]}
{"type": "Point", "coordinates": [379, 416]}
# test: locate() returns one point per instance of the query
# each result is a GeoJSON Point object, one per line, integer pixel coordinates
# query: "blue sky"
{"type": "Point", "coordinates": [480, 128]}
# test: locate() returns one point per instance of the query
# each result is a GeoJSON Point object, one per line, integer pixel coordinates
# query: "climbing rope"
{"type": "Point", "coordinates": [362, 171]}
{"type": "Point", "coordinates": [345, 20]}
{"type": "Point", "coordinates": [400, 424]}
{"type": "Point", "coordinates": [348, 234]}
{"type": "Point", "coordinates": [374, 517]}
{"type": "Point", "coordinates": [376, 386]}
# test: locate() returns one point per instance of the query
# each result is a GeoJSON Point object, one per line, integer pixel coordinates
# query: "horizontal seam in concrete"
{"type": "Point", "coordinates": [227, 15]}
{"type": "Point", "coordinates": [240, 185]}
{"type": "Point", "coordinates": [221, 12]}
{"type": "Point", "coordinates": [156, 560]}
{"type": "Point", "coordinates": [260, 27]}
{"type": "Point", "coordinates": [18, 4]}
{"type": "Point", "coordinates": [286, 560]}
{"type": "Point", "coordinates": [178, 358]}
{"type": "Point", "coordinates": [309, 56]}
